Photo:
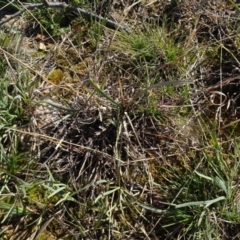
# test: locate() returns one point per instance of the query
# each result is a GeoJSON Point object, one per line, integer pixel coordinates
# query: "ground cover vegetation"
{"type": "Point", "coordinates": [124, 133]}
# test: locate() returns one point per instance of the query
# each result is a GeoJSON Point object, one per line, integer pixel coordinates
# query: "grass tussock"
{"type": "Point", "coordinates": [121, 135]}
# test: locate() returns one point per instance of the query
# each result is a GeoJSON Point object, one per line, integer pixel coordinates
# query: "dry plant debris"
{"type": "Point", "coordinates": [108, 160]}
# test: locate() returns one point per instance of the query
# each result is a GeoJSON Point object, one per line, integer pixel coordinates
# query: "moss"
{"type": "Point", "coordinates": [35, 193]}
{"type": "Point", "coordinates": [56, 76]}
{"type": "Point", "coordinates": [46, 236]}
{"type": "Point", "coordinates": [38, 54]}
{"type": "Point", "coordinates": [66, 57]}
{"type": "Point", "coordinates": [82, 67]}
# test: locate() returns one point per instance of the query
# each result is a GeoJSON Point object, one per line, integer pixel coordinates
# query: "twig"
{"type": "Point", "coordinates": [78, 11]}
{"type": "Point", "coordinates": [20, 12]}
{"type": "Point", "coordinates": [91, 16]}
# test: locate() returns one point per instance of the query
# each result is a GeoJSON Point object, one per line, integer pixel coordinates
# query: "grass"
{"type": "Point", "coordinates": [111, 135]}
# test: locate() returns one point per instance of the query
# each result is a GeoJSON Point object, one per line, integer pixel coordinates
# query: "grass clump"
{"type": "Point", "coordinates": [110, 134]}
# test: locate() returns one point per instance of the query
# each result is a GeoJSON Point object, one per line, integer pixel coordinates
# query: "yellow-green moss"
{"type": "Point", "coordinates": [46, 236]}
{"type": "Point", "coordinates": [38, 194]}
{"type": "Point", "coordinates": [56, 76]}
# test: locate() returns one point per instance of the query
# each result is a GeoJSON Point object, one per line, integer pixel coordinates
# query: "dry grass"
{"type": "Point", "coordinates": [96, 144]}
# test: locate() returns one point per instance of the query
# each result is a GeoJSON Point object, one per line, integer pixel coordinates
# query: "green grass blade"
{"type": "Point", "coordinates": [201, 203]}
{"type": "Point", "coordinates": [102, 93]}
{"type": "Point", "coordinates": [204, 176]}
{"type": "Point", "coordinates": [106, 193]}
{"type": "Point", "coordinates": [12, 210]}
{"type": "Point", "coordinates": [153, 209]}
